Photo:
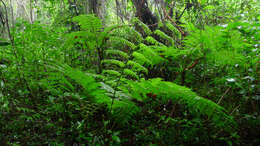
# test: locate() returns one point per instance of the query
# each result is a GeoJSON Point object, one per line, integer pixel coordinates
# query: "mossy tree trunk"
{"type": "Point", "coordinates": [144, 13]}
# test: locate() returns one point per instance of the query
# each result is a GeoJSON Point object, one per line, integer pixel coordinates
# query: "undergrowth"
{"type": "Point", "coordinates": [127, 84]}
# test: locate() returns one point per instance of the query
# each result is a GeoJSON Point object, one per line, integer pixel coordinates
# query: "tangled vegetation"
{"type": "Point", "coordinates": [151, 72]}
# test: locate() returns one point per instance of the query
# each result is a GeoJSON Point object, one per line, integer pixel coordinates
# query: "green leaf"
{"type": "Point", "coordinates": [4, 43]}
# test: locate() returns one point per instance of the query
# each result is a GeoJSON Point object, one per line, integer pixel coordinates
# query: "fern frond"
{"type": "Point", "coordinates": [88, 22]}
{"type": "Point", "coordinates": [164, 36]}
{"type": "Point", "coordinates": [148, 52]}
{"type": "Point", "coordinates": [153, 41]}
{"type": "Point", "coordinates": [130, 73]}
{"type": "Point", "coordinates": [137, 67]}
{"type": "Point", "coordinates": [124, 41]}
{"type": "Point", "coordinates": [122, 109]}
{"type": "Point", "coordinates": [118, 52]}
{"type": "Point", "coordinates": [111, 72]}
{"type": "Point", "coordinates": [173, 29]}
{"type": "Point", "coordinates": [114, 62]}
{"type": "Point", "coordinates": [172, 52]}
{"type": "Point", "coordinates": [143, 26]}
{"type": "Point", "coordinates": [88, 83]}
{"type": "Point", "coordinates": [170, 91]}
{"type": "Point", "coordinates": [141, 59]}
{"type": "Point", "coordinates": [137, 35]}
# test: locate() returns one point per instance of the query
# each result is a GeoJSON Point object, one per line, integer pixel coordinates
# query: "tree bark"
{"type": "Point", "coordinates": [97, 7]}
{"type": "Point", "coordinates": [144, 13]}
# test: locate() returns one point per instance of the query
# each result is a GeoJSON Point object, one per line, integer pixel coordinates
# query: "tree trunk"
{"type": "Point", "coordinates": [144, 13]}
{"type": "Point", "coordinates": [97, 7]}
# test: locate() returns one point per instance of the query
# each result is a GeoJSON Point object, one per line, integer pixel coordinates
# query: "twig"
{"type": "Point", "coordinates": [235, 109]}
{"type": "Point", "coordinates": [219, 101]}
{"type": "Point", "coordinates": [193, 65]}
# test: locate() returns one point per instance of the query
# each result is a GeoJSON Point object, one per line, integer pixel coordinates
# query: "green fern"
{"type": "Point", "coordinates": [173, 29]}
{"type": "Point", "coordinates": [122, 108]}
{"type": "Point", "coordinates": [137, 67]}
{"type": "Point", "coordinates": [130, 73]}
{"type": "Point", "coordinates": [114, 62]}
{"type": "Point", "coordinates": [218, 45]}
{"type": "Point", "coordinates": [150, 53]}
{"type": "Point", "coordinates": [170, 91]}
{"type": "Point", "coordinates": [132, 34]}
{"type": "Point", "coordinates": [153, 41]}
{"type": "Point", "coordinates": [164, 36]}
{"type": "Point", "coordinates": [124, 42]}
{"type": "Point", "coordinates": [88, 83]}
{"type": "Point", "coordinates": [142, 25]}
{"type": "Point", "coordinates": [112, 72]}
{"type": "Point", "coordinates": [141, 59]}
{"type": "Point", "coordinates": [89, 22]}
{"type": "Point", "coordinates": [117, 52]}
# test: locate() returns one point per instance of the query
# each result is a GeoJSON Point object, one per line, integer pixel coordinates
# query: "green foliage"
{"type": "Point", "coordinates": [122, 109]}
{"type": "Point", "coordinates": [153, 41]}
{"type": "Point", "coordinates": [130, 73]}
{"type": "Point", "coordinates": [169, 91]}
{"type": "Point", "coordinates": [173, 29]}
{"type": "Point", "coordinates": [161, 34]}
{"type": "Point", "coordinates": [88, 22]}
{"type": "Point", "coordinates": [117, 52]}
{"type": "Point", "coordinates": [141, 58]}
{"type": "Point", "coordinates": [137, 67]}
{"type": "Point", "coordinates": [143, 26]}
{"type": "Point", "coordinates": [120, 85]}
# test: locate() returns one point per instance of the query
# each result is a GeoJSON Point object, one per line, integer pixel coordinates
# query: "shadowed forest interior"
{"type": "Point", "coordinates": [129, 72]}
